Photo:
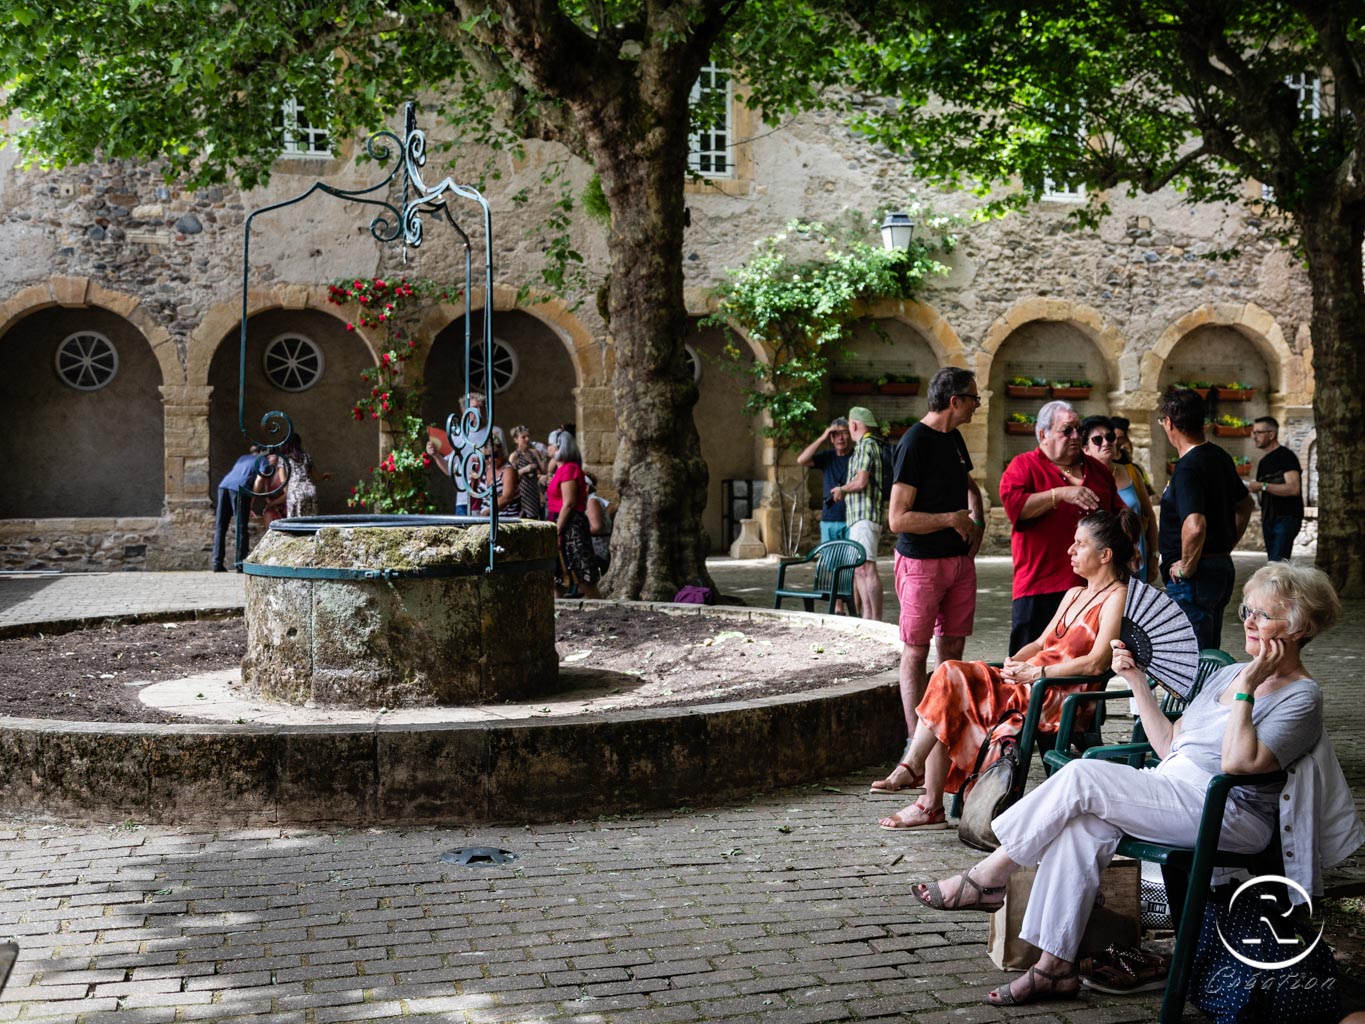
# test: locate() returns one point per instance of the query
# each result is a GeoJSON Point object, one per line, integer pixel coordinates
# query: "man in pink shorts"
{"type": "Point", "coordinates": [937, 510]}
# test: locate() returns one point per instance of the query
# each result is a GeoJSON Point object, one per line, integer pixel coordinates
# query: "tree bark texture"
{"type": "Point", "coordinates": [657, 539]}
{"type": "Point", "coordinates": [1332, 239]}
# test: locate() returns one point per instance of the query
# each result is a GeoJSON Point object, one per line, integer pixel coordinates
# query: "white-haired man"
{"type": "Point", "coordinates": [864, 507]}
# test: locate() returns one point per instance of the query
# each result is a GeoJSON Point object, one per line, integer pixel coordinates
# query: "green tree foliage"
{"type": "Point", "coordinates": [1003, 95]}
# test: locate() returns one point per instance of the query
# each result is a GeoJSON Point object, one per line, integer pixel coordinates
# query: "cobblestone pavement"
{"type": "Point", "coordinates": [790, 908]}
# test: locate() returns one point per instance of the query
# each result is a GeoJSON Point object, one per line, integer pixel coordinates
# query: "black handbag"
{"type": "Point", "coordinates": [990, 787]}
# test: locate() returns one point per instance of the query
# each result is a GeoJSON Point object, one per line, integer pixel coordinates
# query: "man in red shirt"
{"type": "Point", "coordinates": [1046, 492]}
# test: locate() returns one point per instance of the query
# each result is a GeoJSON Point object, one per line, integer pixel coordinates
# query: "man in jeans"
{"type": "Point", "coordinates": [864, 507]}
{"type": "Point", "coordinates": [937, 511]}
{"type": "Point", "coordinates": [1204, 512]}
{"type": "Point", "coordinates": [833, 463]}
{"type": "Point", "coordinates": [1279, 482]}
{"type": "Point", "coordinates": [234, 505]}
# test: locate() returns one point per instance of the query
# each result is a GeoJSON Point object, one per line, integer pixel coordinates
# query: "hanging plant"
{"type": "Point", "coordinates": [801, 305]}
{"type": "Point", "coordinates": [401, 482]}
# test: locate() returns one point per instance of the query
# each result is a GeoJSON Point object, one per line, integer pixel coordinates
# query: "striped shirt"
{"type": "Point", "coordinates": [867, 503]}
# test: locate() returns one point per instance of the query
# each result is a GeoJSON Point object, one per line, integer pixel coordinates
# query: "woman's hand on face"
{"type": "Point", "coordinates": [1271, 654]}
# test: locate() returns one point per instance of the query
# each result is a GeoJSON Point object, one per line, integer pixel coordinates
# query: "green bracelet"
{"type": "Point", "coordinates": [1244, 696]}
{"type": "Point", "coordinates": [980, 522]}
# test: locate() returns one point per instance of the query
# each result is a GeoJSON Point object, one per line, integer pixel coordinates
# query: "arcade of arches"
{"type": "Point", "coordinates": [117, 446]}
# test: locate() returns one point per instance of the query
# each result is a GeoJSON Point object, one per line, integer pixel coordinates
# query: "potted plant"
{"type": "Point", "coordinates": [1020, 423]}
{"type": "Point", "coordinates": [1026, 387]}
{"type": "Point", "coordinates": [1235, 392]}
{"type": "Point", "coordinates": [1231, 426]}
{"type": "Point", "coordinates": [899, 384]}
{"type": "Point", "coordinates": [1199, 387]}
{"type": "Point", "coordinates": [1243, 465]}
{"type": "Point", "coordinates": [1071, 388]}
{"type": "Point", "coordinates": [896, 428]}
{"type": "Point", "coordinates": [853, 384]}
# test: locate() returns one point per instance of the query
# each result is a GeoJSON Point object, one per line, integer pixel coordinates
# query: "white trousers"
{"type": "Point", "coordinates": [1071, 824]}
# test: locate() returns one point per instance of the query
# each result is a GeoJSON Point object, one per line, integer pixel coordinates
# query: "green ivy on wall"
{"type": "Point", "coordinates": [796, 296]}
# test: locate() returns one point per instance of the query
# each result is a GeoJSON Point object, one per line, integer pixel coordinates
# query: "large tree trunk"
{"type": "Point", "coordinates": [1332, 240]}
{"type": "Point", "coordinates": [657, 540]}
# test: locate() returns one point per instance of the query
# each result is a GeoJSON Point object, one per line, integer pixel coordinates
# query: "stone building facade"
{"type": "Point", "coordinates": [117, 469]}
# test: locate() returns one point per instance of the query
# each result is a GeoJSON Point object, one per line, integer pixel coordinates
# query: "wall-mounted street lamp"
{"type": "Point", "coordinates": [897, 230]}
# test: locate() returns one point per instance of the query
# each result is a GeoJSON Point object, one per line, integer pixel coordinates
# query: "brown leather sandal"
{"type": "Point", "coordinates": [931, 895]}
{"type": "Point", "coordinates": [1003, 996]}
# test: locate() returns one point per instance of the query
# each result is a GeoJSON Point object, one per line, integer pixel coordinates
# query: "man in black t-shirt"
{"type": "Point", "coordinates": [1279, 482]}
{"type": "Point", "coordinates": [1204, 512]}
{"type": "Point", "coordinates": [936, 509]}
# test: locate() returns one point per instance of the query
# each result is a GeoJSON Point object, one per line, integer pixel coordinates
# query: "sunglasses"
{"type": "Point", "coordinates": [1099, 439]}
{"type": "Point", "coordinates": [1067, 431]}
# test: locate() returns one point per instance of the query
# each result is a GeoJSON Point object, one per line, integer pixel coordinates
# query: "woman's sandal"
{"type": "Point", "coordinates": [916, 782]}
{"type": "Point", "coordinates": [1003, 996]}
{"type": "Point", "coordinates": [929, 821]}
{"type": "Point", "coordinates": [931, 895]}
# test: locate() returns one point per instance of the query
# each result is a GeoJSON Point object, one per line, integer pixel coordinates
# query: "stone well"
{"type": "Point", "coordinates": [387, 614]}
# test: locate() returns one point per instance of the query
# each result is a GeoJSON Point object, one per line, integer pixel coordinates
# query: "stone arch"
{"type": "Point", "coordinates": [926, 321]}
{"type": "Point", "coordinates": [88, 451]}
{"type": "Point", "coordinates": [75, 292]}
{"type": "Point", "coordinates": [987, 442]}
{"type": "Point", "coordinates": [1288, 372]}
{"type": "Point", "coordinates": [590, 365]}
{"type": "Point", "coordinates": [223, 319]}
{"type": "Point", "coordinates": [1105, 337]}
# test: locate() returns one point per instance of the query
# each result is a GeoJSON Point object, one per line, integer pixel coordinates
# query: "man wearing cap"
{"type": "Point", "coordinates": [864, 510]}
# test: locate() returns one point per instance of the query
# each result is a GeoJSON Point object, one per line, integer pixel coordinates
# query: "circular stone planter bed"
{"type": "Point", "coordinates": [605, 741]}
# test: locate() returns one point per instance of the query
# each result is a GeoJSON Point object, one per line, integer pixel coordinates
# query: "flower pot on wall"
{"type": "Point", "coordinates": [1029, 391]}
{"type": "Point", "coordinates": [899, 387]}
{"type": "Point", "coordinates": [853, 387]}
{"type": "Point", "coordinates": [1234, 394]}
{"type": "Point", "coordinates": [1170, 467]}
{"type": "Point", "coordinates": [1020, 428]}
{"type": "Point", "coordinates": [1071, 392]}
{"type": "Point", "coordinates": [1220, 430]}
{"type": "Point", "coordinates": [1202, 392]}
{"type": "Point", "coordinates": [1244, 469]}
{"type": "Point", "coordinates": [894, 433]}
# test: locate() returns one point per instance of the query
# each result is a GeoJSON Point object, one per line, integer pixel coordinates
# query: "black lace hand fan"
{"type": "Point", "coordinates": [1160, 637]}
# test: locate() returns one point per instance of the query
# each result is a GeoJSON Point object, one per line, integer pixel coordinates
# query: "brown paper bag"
{"type": "Point", "coordinates": [1115, 918]}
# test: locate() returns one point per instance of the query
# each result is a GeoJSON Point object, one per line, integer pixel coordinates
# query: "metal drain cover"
{"type": "Point", "coordinates": [477, 856]}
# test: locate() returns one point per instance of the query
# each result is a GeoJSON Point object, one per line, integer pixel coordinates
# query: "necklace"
{"type": "Point", "coordinates": [1073, 472]}
{"type": "Point", "coordinates": [1062, 626]}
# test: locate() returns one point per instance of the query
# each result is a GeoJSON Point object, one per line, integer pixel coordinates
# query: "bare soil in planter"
{"type": "Point", "coordinates": [95, 674]}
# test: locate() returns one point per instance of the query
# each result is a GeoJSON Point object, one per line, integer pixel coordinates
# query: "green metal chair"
{"type": "Point", "coordinates": [834, 561]}
{"type": "Point", "coordinates": [1029, 736]}
{"type": "Point", "coordinates": [1211, 659]}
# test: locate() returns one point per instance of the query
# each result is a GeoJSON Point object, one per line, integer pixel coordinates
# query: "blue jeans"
{"type": "Point", "coordinates": [1205, 596]}
{"type": "Point", "coordinates": [1279, 537]}
{"type": "Point", "coordinates": [833, 531]}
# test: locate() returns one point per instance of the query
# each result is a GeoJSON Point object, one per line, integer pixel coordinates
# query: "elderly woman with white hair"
{"type": "Point", "coordinates": [1247, 719]}
{"type": "Point", "coordinates": [566, 497]}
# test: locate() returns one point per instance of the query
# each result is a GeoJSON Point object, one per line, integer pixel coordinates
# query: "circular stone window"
{"type": "Point", "coordinates": [86, 361]}
{"type": "Point", "coordinates": [505, 366]}
{"type": "Point", "coordinates": [292, 362]}
{"type": "Point", "coordinates": [693, 363]}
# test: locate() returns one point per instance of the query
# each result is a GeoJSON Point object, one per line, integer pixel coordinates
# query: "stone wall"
{"type": "Point", "coordinates": [1133, 304]}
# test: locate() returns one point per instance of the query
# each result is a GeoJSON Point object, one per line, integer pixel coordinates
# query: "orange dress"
{"type": "Point", "coordinates": [964, 699]}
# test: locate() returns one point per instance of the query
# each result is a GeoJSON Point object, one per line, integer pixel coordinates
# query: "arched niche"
{"type": "Point", "coordinates": [75, 452]}
{"type": "Point", "coordinates": [1218, 354]}
{"type": "Point", "coordinates": [541, 392]}
{"type": "Point", "coordinates": [877, 349]}
{"type": "Point", "coordinates": [322, 413]}
{"type": "Point", "coordinates": [1049, 351]}
{"type": "Point", "coordinates": [731, 441]}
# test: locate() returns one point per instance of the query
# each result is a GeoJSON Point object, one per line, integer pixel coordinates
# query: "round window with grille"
{"type": "Point", "coordinates": [292, 362]}
{"type": "Point", "coordinates": [504, 367]}
{"type": "Point", "coordinates": [86, 361]}
{"type": "Point", "coordinates": [693, 362]}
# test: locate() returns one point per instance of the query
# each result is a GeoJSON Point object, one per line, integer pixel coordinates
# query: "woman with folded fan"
{"type": "Point", "coordinates": [964, 700]}
{"type": "Point", "coordinates": [1247, 719]}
